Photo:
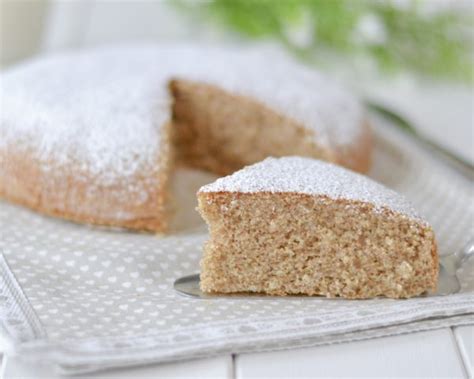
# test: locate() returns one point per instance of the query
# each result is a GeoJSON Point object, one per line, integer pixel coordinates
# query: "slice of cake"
{"type": "Point", "coordinates": [297, 225]}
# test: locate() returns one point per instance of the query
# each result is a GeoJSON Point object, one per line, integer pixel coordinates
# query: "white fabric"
{"type": "Point", "coordinates": [85, 299]}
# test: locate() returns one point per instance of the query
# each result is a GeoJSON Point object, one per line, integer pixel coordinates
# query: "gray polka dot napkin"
{"type": "Point", "coordinates": [86, 299]}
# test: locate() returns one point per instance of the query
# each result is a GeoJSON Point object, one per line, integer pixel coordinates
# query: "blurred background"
{"type": "Point", "coordinates": [415, 57]}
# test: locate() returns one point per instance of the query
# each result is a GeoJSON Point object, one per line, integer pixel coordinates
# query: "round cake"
{"type": "Point", "coordinates": [296, 225]}
{"type": "Point", "coordinates": [92, 136]}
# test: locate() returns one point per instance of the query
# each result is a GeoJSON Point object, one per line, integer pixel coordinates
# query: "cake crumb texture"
{"type": "Point", "coordinates": [280, 241]}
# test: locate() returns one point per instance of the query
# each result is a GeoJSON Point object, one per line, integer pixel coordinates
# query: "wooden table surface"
{"type": "Point", "coordinates": [442, 353]}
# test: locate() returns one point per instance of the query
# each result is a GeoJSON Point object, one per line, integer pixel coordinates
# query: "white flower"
{"type": "Point", "coordinates": [301, 34]}
{"type": "Point", "coordinates": [370, 30]}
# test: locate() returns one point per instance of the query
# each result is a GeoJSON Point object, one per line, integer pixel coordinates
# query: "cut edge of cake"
{"type": "Point", "coordinates": [278, 238]}
{"type": "Point", "coordinates": [223, 132]}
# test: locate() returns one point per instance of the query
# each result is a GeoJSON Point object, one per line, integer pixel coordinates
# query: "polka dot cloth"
{"type": "Point", "coordinates": [87, 298]}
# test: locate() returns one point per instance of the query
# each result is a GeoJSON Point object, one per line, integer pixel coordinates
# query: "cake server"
{"type": "Point", "coordinates": [448, 282]}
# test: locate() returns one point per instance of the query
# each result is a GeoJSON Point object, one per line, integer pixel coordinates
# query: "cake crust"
{"type": "Point", "coordinates": [72, 193]}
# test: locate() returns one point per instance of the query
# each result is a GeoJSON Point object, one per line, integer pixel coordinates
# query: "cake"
{"type": "Point", "coordinates": [93, 136]}
{"type": "Point", "coordinates": [295, 225]}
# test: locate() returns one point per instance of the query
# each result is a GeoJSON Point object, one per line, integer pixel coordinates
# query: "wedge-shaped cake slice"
{"type": "Point", "coordinates": [297, 225]}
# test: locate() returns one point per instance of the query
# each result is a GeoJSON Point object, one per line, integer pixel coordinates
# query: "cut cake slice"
{"type": "Point", "coordinates": [298, 225]}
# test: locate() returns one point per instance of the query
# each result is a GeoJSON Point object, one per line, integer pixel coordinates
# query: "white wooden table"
{"type": "Point", "coordinates": [443, 353]}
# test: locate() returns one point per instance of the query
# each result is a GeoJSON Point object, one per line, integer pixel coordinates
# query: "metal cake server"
{"type": "Point", "coordinates": [448, 282]}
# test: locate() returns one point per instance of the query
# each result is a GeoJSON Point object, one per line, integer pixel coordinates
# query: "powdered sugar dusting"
{"type": "Point", "coordinates": [88, 109]}
{"type": "Point", "coordinates": [312, 177]}
{"type": "Point", "coordinates": [105, 108]}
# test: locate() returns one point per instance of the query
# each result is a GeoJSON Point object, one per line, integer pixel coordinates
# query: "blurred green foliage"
{"type": "Point", "coordinates": [394, 35]}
